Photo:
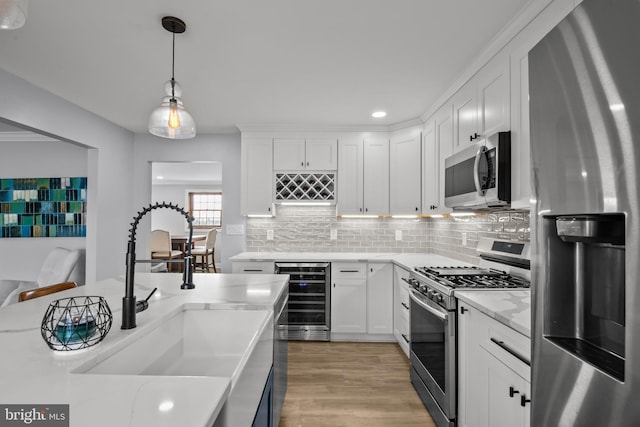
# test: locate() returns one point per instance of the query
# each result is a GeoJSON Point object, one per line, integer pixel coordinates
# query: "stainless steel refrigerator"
{"type": "Point", "coordinates": [584, 88]}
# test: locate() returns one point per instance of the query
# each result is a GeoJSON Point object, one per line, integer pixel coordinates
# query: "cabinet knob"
{"type": "Point", "coordinates": [524, 400]}
{"type": "Point", "coordinates": [301, 163]}
{"type": "Point", "coordinates": [366, 209]}
{"type": "Point", "coordinates": [360, 209]}
{"type": "Point", "coordinates": [513, 391]}
{"type": "Point", "coordinates": [416, 209]}
{"type": "Point", "coordinates": [462, 310]}
{"type": "Point", "coordinates": [307, 163]}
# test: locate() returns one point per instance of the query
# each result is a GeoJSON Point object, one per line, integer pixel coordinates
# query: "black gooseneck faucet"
{"type": "Point", "coordinates": [129, 305]}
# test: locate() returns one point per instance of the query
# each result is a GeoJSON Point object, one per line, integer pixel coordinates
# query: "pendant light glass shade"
{"type": "Point", "coordinates": [170, 119]}
{"type": "Point", "coordinates": [13, 14]}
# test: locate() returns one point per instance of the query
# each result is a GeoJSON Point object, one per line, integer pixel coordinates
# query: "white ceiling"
{"type": "Point", "coordinates": [304, 62]}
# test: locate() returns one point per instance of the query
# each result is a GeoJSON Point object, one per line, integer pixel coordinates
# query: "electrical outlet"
{"type": "Point", "coordinates": [398, 234]}
{"type": "Point", "coordinates": [464, 239]}
{"type": "Point", "coordinates": [269, 234]}
{"type": "Point", "coordinates": [333, 234]}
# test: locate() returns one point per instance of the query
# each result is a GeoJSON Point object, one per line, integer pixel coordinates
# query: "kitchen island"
{"type": "Point", "coordinates": [32, 374]}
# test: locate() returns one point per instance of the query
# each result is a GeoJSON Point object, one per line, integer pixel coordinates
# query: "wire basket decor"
{"type": "Point", "coordinates": [76, 322]}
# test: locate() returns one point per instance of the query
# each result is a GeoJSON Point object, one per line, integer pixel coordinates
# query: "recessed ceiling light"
{"type": "Point", "coordinates": [159, 177]}
{"type": "Point", "coordinates": [378, 114]}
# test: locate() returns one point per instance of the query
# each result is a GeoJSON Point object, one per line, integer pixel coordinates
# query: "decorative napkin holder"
{"type": "Point", "coordinates": [76, 322]}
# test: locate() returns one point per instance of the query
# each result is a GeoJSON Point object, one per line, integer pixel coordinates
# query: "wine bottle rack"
{"type": "Point", "coordinates": [305, 187]}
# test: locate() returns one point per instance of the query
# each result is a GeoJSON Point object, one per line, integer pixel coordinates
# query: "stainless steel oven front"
{"type": "Point", "coordinates": [433, 357]}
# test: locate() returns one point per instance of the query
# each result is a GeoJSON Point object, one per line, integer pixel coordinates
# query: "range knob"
{"type": "Point", "coordinates": [430, 294]}
{"type": "Point", "coordinates": [440, 298]}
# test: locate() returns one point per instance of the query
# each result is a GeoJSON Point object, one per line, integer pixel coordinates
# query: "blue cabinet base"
{"type": "Point", "coordinates": [263, 414]}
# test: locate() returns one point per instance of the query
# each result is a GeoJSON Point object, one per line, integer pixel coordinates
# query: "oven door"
{"type": "Point", "coordinates": [433, 354]}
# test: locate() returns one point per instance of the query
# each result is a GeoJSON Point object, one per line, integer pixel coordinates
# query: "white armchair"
{"type": "Point", "coordinates": [57, 268]}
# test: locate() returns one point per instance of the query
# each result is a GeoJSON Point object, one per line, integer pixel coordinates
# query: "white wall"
{"type": "Point", "coordinates": [21, 257]}
{"type": "Point", "coordinates": [109, 168]}
{"type": "Point", "coordinates": [224, 148]}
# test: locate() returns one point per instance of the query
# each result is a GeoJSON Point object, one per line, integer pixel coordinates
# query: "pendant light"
{"type": "Point", "coordinates": [170, 119]}
{"type": "Point", "coordinates": [13, 14]}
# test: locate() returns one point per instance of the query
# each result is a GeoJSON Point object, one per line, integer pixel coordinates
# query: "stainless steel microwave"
{"type": "Point", "coordinates": [479, 177]}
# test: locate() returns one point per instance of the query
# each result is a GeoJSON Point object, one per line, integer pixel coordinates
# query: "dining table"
{"type": "Point", "coordinates": [179, 241]}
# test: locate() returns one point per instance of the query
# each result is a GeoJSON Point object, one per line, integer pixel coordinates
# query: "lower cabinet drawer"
{"type": "Point", "coordinates": [253, 267]}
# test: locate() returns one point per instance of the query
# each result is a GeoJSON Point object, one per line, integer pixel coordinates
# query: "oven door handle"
{"type": "Point", "coordinates": [440, 314]}
{"type": "Point", "coordinates": [476, 169]}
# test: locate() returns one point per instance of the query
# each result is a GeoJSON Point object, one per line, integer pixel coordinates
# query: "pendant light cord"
{"type": "Point", "coordinates": [173, 64]}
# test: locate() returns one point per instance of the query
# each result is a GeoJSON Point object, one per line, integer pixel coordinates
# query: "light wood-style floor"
{"type": "Point", "coordinates": [350, 384]}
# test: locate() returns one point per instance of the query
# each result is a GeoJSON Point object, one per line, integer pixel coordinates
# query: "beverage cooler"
{"type": "Point", "coordinates": [309, 306]}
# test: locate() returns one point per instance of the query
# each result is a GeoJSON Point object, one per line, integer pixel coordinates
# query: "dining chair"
{"type": "Point", "coordinates": [160, 246]}
{"type": "Point", "coordinates": [45, 290]}
{"type": "Point", "coordinates": [206, 251]}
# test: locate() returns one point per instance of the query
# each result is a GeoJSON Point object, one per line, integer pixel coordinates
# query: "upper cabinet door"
{"type": "Point", "coordinates": [289, 154]}
{"type": "Point", "coordinates": [376, 176]}
{"type": "Point", "coordinates": [350, 176]}
{"type": "Point", "coordinates": [322, 154]}
{"type": "Point", "coordinates": [430, 169]}
{"type": "Point", "coordinates": [493, 97]}
{"type": "Point", "coordinates": [444, 140]}
{"type": "Point", "coordinates": [256, 176]}
{"type": "Point", "coordinates": [404, 172]}
{"type": "Point", "coordinates": [465, 111]}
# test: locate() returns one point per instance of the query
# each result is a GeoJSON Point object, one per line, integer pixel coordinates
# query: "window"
{"type": "Point", "coordinates": [206, 209]}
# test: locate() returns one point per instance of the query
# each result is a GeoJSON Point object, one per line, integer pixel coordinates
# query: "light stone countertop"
{"type": "Point", "coordinates": [513, 308]}
{"type": "Point", "coordinates": [406, 260]}
{"type": "Point", "coordinates": [31, 373]}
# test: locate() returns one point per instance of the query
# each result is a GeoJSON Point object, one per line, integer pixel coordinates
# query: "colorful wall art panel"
{"type": "Point", "coordinates": [43, 207]}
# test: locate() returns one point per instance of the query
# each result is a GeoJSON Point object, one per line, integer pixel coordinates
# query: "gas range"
{"type": "Point", "coordinates": [503, 265]}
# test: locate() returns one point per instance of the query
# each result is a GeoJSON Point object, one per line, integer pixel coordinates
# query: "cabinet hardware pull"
{"type": "Point", "coordinates": [366, 209]}
{"type": "Point", "coordinates": [301, 163]}
{"type": "Point", "coordinates": [524, 400]}
{"type": "Point", "coordinates": [254, 270]}
{"type": "Point", "coordinates": [307, 163]}
{"type": "Point", "coordinates": [405, 338]}
{"type": "Point", "coordinates": [462, 310]}
{"type": "Point", "coordinates": [511, 351]}
{"type": "Point", "coordinates": [416, 209]}
{"type": "Point", "coordinates": [350, 271]}
{"type": "Point", "coordinates": [405, 306]}
{"type": "Point", "coordinates": [512, 391]}
{"type": "Point", "coordinates": [470, 137]}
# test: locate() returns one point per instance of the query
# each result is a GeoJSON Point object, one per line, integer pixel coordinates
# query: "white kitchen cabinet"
{"type": "Point", "coordinates": [296, 154]}
{"type": "Point", "coordinates": [444, 142]}
{"type": "Point", "coordinates": [430, 169]}
{"type": "Point", "coordinates": [481, 106]}
{"type": "Point", "coordinates": [493, 383]}
{"type": "Point", "coordinates": [380, 298]}
{"type": "Point", "coordinates": [256, 179]}
{"type": "Point", "coordinates": [518, 49]}
{"type": "Point", "coordinates": [363, 176]}
{"type": "Point", "coordinates": [348, 297]}
{"type": "Point", "coordinates": [401, 308]}
{"type": "Point", "coordinates": [505, 390]}
{"type": "Point", "coordinates": [404, 172]}
{"type": "Point", "coordinates": [465, 113]}
{"type": "Point", "coordinates": [252, 267]}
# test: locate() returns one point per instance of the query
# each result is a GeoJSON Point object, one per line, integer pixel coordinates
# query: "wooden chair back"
{"type": "Point", "coordinates": [45, 290]}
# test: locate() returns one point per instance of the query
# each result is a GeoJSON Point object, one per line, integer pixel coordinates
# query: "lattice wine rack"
{"type": "Point", "coordinates": [305, 186]}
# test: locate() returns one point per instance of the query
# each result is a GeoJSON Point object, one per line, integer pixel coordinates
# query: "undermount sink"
{"type": "Point", "coordinates": [192, 342]}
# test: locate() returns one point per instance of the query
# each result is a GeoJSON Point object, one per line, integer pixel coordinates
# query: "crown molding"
{"type": "Point", "coordinates": [284, 127]}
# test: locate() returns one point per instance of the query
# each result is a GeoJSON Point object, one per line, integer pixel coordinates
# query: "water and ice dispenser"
{"type": "Point", "coordinates": [585, 306]}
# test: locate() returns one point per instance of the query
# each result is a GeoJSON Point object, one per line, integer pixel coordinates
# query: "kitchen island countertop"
{"type": "Point", "coordinates": [32, 374]}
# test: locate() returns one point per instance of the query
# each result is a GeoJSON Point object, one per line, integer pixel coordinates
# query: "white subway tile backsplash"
{"type": "Point", "coordinates": [307, 229]}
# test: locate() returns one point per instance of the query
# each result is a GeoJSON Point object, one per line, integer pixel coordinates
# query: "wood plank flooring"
{"type": "Point", "coordinates": [350, 384]}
